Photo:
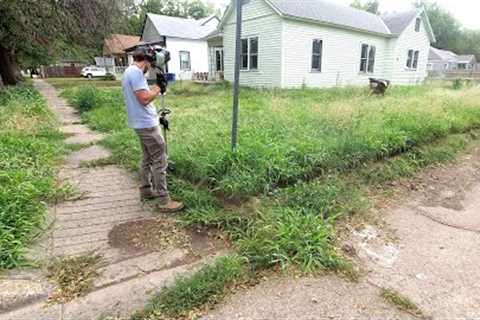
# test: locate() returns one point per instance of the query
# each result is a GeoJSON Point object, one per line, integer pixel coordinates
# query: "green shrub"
{"type": "Point", "coordinates": [457, 84]}
{"type": "Point", "coordinates": [87, 98]}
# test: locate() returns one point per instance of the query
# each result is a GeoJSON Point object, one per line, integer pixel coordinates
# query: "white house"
{"type": "Point", "coordinates": [290, 43]}
{"type": "Point", "coordinates": [186, 39]}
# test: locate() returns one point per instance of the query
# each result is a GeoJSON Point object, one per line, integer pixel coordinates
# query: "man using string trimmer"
{"type": "Point", "coordinates": [143, 118]}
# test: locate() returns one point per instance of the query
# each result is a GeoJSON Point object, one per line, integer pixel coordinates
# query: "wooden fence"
{"type": "Point", "coordinates": [62, 72]}
{"type": "Point", "coordinates": [457, 74]}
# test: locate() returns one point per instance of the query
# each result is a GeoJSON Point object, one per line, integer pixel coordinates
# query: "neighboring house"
{"type": "Point", "coordinates": [441, 62]}
{"type": "Point", "coordinates": [467, 62]}
{"type": "Point", "coordinates": [115, 46]}
{"type": "Point", "coordinates": [287, 43]}
{"type": "Point", "coordinates": [189, 42]}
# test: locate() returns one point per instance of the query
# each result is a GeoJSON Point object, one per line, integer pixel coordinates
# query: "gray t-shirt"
{"type": "Point", "coordinates": [139, 116]}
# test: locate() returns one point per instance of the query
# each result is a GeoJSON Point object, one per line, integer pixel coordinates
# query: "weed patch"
{"type": "Point", "coordinates": [205, 287]}
{"type": "Point", "coordinates": [73, 276]}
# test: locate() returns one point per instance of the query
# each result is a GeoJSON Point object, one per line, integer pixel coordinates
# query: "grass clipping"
{"type": "Point", "coordinates": [73, 276]}
{"type": "Point", "coordinates": [402, 303]}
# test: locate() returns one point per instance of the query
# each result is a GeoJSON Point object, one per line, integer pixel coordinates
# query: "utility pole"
{"type": "Point", "coordinates": [236, 81]}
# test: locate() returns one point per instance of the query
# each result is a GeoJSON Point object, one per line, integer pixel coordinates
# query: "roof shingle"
{"type": "Point", "coordinates": [330, 13]}
{"type": "Point", "coordinates": [181, 27]}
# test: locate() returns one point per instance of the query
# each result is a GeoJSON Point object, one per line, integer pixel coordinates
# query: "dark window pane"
{"type": "Point", "coordinates": [364, 51]}
{"type": "Point", "coordinates": [253, 45]}
{"type": "Point", "coordinates": [371, 59]}
{"type": "Point", "coordinates": [415, 60]}
{"type": "Point", "coordinates": [253, 62]}
{"type": "Point", "coordinates": [244, 61]}
{"type": "Point", "coordinates": [316, 62]}
{"type": "Point", "coordinates": [410, 58]}
{"type": "Point", "coordinates": [363, 65]}
{"type": "Point", "coordinates": [418, 23]}
{"type": "Point", "coordinates": [317, 47]}
{"type": "Point", "coordinates": [244, 46]}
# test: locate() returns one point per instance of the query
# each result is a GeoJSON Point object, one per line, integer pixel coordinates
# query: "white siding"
{"type": "Point", "coordinates": [198, 56]}
{"type": "Point", "coordinates": [259, 20]}
{"type": "Point", "coordinates": [340, 59]}
{"type": "Point", "coordinates": [410, 40]}
{"type": "Point", "coordinates": [198, 52]}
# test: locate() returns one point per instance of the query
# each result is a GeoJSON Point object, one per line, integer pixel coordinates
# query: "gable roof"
{"type": "Point", "coordinates": [443, 55]}
{"type": "Point", "coordinates": [398, 22]}
{"type": "Point", "coordinates": [117, 43]}
{"type": "Point", "coordinates": [467, 58]}
{"type": "Point", "coordinates": [330, 13]}
{"type": "Point", "coordinates": [181, 27]}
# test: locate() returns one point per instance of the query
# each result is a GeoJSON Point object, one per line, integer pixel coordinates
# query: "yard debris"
{"type": "Point", "coordinates": [73, 276]}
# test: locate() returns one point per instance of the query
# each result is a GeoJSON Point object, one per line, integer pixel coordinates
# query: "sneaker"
{"type": "Point", "coordinates": [170, 206]}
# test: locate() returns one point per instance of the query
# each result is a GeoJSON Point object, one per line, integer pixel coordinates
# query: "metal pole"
{"type": "Point", "coordinates": [236, 81]}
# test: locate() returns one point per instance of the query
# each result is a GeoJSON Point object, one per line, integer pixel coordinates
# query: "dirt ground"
{"type": "Point", "coordinates": [426, 247]}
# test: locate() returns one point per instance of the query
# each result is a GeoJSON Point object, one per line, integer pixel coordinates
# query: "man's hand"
{"type": "Point", "coordinates": [162, 83]}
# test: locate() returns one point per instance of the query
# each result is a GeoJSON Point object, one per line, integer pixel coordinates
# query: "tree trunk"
{"type": "Point", "coordinates": [9, 70]}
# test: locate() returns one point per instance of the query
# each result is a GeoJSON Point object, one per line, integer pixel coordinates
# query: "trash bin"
{"type": "Point", "coordinates": [170, 77]}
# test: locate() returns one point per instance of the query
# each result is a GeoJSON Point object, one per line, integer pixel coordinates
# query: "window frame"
{"type": "Point", "coordinates": [189, 60]}
{"type": "Point", "coordinates": [248, 55]}
{"type": "Point", "coordinates": [320, 55]}
{"type": "Point", "coordinates": [412, 61]}
{"type": "Point", "coordinates": [418, 24]}
{"type": "Point", "coordinates": [368, 68]}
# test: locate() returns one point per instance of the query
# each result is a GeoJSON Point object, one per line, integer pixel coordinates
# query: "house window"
{"type": "Point", "coordinates": [367, 59]}
{"type": "Point", "coordinates": [418, 23]}
{"type": "Point", "coordinates": [185, 60]}
{"type": "Point", "coordinates": [249, 54]}
{"type": "Point", "coordinates": [253, 53]}
{"type": "Point", "coordinates": [317, 48]}
{"type": "Point", "coordinates": [412, 60]}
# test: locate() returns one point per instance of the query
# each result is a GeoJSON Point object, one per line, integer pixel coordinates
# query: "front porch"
{"type": "Point", "coordinates": [215, 60]}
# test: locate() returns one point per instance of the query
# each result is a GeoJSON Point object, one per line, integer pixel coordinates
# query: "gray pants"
{"type": "Point", "coordinates": [154, 165]}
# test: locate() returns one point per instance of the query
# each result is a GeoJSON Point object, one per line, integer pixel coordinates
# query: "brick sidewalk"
{"type": "Point", "coordinates": [107, 196]}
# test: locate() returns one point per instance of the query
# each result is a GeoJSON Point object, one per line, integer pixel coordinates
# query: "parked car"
{"type": "Point", "coordinates": [92, 72]}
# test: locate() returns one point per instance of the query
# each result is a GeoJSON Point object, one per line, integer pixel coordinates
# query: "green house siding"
{"type": "Point", "coordinates": [259, 20]}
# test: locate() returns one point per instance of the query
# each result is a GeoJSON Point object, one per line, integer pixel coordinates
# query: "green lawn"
{"type": "Point", "coordinates": [306, 158]}
{"type": "Point", "coordinates": [66, 83]}
{"type": "Point", "coordinates": [30, 147]}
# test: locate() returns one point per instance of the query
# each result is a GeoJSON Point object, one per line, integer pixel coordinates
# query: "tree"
{"type": "Point", "coordinates": [371, 6]}
{"type": "Point", "coordinates": [447, 29]}
{"type": "Point", "coordinates": [31, 30]}
{"type": "Point", "coordinates": [131, 18]}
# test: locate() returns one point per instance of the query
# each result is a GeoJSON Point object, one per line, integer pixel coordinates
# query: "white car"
{"type": "Point", "coordinates": [91, 72]}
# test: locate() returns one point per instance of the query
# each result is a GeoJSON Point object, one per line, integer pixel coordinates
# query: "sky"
{"type": "Point", "coordinates": [466, 11]}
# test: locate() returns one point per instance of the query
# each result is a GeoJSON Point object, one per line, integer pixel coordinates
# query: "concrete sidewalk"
{"type": "Point", "coordinates": [427, 248]}
{"type": "Point", "coordinates": [106, 197]}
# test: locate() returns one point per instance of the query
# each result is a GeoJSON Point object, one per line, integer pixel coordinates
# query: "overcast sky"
{"type": "Point", "coordinates": [466, 11]}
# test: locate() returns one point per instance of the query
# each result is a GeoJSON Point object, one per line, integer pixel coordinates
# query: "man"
{"type": "Point", "coordinates": [143, 118]}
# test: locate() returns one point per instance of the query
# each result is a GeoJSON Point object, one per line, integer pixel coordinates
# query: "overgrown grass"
{"type": "Point", "coordinates": [306, 160]}
{"type": "Point", "coordinates": [288, 135]}
{"type": "Point", "coordinates": [205, 287]}
{"type": "Point", "coordinates": [30, 146]}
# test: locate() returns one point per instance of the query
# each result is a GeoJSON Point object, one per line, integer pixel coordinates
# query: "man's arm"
{"type": "Point", "coordinates": [145, 97]}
